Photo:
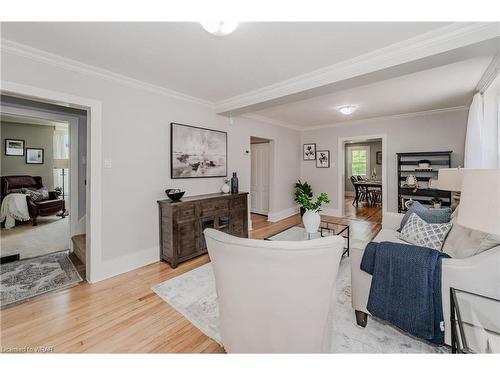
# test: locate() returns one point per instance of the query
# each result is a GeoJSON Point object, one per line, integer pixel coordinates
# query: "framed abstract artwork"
{"type": "Point", "coordinates": [309, 151]}
{"type": "Point", "coordinates": [379, 157]}
{"type": "Point", "coordinates": [197, 152]}
{"type": "Point", "coordinates": [323, 159]}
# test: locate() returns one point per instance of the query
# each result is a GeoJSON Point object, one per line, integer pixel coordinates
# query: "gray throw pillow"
{"type": "Point", "coordinates": [45, 193]}
{"type": "Point", "coordinates": [429, 215]}
{"type": "Point", "coordinates": [464, 242]}
{"type": "Point", "coordinates": [418, 232]}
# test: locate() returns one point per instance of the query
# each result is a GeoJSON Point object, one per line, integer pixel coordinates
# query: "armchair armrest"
{"type": "Point", "coordinates": [54, 194]}
{"type": "Point", "coordinates": [391, 220]}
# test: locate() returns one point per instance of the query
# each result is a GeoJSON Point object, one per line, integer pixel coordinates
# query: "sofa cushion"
{"type": "Point", "coordinates": [34, 194]}
{"type": "Point", "coordinates": [418, 232]}
{"type": "Point", "coordinates": [464, 242]}
{"type": "Point", "coordinates": [388, 235]}
{"type": "Point", "coordinates": [429, 215]}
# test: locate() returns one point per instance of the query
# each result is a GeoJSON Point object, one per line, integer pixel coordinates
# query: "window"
{"type": "Point", "coordinates": [359, 161]}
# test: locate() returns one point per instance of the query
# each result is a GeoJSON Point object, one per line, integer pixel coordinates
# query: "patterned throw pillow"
{"type": "Point", "coordinates": [430, 215]}
{"type": "Point", "coordinates": [35, 195]}
{"type": "Point", "coordinates": [45, 193]}
{"type": "Point", "coordinates": [418, 232]}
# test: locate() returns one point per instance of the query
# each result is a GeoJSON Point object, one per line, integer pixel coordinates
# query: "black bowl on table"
{"type": "Point", "coordinates": [174, 194]}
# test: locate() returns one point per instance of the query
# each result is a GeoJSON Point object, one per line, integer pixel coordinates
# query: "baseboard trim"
{"type": "Point", "coordinates": [280, 215]}
{"type": "Point", "coordinates": [114, 267]}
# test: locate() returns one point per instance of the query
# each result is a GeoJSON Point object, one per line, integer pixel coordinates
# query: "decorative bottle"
{"type": "Point", "coordinates": [234, 184]}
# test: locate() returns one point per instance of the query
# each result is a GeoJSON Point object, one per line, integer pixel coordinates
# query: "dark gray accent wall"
{"type": "Point", "coordinates": [34, 136]}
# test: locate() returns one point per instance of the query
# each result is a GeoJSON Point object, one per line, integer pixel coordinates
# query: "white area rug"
{"type": "Point", "coordinates": [50, 235]}
{"type": "Point", "coordinates": [193, 295]}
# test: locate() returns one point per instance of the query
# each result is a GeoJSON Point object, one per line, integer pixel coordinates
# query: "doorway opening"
{"type": "Point", "coordinates": [363, 179]}
{"type": "Point", "coordinates": [43, 197]}
{"type": "Point", "coordinates": [260, 180]}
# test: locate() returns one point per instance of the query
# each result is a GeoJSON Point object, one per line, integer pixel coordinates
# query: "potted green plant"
{"type": "Point", "coordinates": [311, 218]}
{"type": "Point", "coordinates": [436, 202]}
{"type": "Point", "coordinates": [302, 188]}
{"type": "Point", "coordinates": [58, 190]}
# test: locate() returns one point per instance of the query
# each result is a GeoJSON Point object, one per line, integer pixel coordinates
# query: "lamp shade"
{"type": "Point", "coordinates": [60, 164]}
{"type": "Point", "coordinates": [450, 179]}
{"type": "Point", "coordinates": [480, 200]}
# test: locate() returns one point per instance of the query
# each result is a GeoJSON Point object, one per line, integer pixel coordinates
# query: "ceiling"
{"type": "Point", "coordinates": [15, 119]}
{"type": "Point", "coordinates": [185, 58]}
{"type": "Point", "coordinates": [447, 86]}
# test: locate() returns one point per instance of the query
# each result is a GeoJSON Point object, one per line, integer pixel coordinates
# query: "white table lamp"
{"type": "Point", "coordinates": [450, 179]}
{"type": "Point", "coordinates": [480, 200]}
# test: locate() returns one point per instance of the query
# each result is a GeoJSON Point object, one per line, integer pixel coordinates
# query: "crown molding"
{"type": "Point", "coordinates": [79, 67]}
{"type": "Point", "coordinates": [431, 43]}
{"type": "Point", "coordinates": [490, 74]}
{"type": "Point", "coordinates": [270, 121]}
{"type": "Point", "coordinates": [390, 117]}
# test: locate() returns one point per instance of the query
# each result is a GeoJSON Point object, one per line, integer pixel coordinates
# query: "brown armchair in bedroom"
{"type": "Point", "coordinates": [46, 207]}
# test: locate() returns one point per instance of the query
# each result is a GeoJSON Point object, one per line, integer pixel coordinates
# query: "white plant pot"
{"type": "Point", "coordinates": [437, 205]}
{"type": "Point", "coordinates": [225, 188]}
{"type": "Point", "coordinates": [311, 220]}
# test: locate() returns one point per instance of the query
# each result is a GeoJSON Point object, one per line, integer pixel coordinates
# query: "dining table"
{"type": "Point", "coordinates": [367, 184]}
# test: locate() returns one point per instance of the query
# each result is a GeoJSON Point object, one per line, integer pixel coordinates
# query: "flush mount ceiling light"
{"type": "Point", "coordinates": [219, 28]}
{"type": "Point", "coordinates": [347, 109]}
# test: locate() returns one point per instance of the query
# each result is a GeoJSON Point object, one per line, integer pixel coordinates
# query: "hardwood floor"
{"type": "Point", "coordinates": [123, 314]}
{"type": "Point", "coordinates": [363, 211]}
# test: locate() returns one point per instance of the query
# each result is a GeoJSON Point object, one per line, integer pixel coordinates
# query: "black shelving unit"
{"type": "Point", "coordinates": [408, 165]}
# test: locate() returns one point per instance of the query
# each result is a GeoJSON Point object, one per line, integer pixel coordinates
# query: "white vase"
{"type": "Point", "coordinates": [311, 220]}
{"type": "Point", "coordinates": [225, 188]}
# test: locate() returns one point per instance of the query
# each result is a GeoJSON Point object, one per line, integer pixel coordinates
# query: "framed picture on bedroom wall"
{"type": "Point", "coordinates": [323, 159]}
{"type": "Point", "coordinates": [197, 152]}
{"type": "Point", "coordinates": [14, 147]}
{"type": "Point", "coordinates": [309, 151]}
{"type": "Point", "coordinates": [34, 155]}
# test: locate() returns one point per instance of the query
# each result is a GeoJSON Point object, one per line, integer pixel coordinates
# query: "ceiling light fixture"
{"type": "Point", "coordinates": [219, 28]}
{"type": "Point", "coordinates": [347, 109]}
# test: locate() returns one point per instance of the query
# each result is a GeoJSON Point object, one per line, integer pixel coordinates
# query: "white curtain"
{"type": "Point", "coordinates": [482, 149]}
{"type": "Point", "coordinates": [61, 151]}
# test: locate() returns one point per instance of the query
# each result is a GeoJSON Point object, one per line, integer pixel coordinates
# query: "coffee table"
{"type": "Point", "coordinates": [297, 232]}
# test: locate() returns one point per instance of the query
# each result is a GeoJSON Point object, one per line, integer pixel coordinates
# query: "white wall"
{"type": "Point", "coordinates": [135, 136]}
{"type": "Point", "coordinates": [427, 132]}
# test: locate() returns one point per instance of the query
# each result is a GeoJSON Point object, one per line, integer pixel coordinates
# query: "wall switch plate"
{"type": "Point", "coordinates": [108, 163]}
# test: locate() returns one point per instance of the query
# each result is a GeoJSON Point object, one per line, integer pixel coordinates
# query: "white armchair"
{"type": "Point", "coordinates": [478, 274]}
{"type": "Point", "coordinates": [274, 296]}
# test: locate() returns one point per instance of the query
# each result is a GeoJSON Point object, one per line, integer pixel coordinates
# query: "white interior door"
{"type": "Point", "coordinates": [259, 189]}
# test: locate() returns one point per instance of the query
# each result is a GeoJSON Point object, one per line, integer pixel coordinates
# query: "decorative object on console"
{"type": "Point", "coordinates": [34, 155]}
{"type": "Point", "coordinates": [480, 200]}
{"type": "Point", "coordinates": [418, 232]}
{"type": "Point", "coordinates": [323, 159]}
{"type": "Point", "coordinates": [197, 152]}
{"type": "Point", "coordinates": [225, 188]}
{"type": "Point", "coordinates": [14, 147]}
{"type": "Point", "coordinates": [174, 194]}
{"type": "Point", "coordinates": [302, 188]}
{"type": "Point", "coordinates": [234, 184]}
{"type": "Point", "coordinates": [311, 218]}
{"type": "Point", "coordinates": [309, 151]}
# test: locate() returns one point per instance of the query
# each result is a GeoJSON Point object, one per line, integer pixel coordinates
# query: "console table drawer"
{"type": "Point", "coordinates": [208, 208]}
{"type": "Point", "coordinates": [186, 212]}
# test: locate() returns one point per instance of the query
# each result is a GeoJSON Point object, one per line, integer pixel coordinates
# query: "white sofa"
{"type": "Point", "coordinates": [274, 296]}
{"type": "Point", "coordinates": [478, 274]}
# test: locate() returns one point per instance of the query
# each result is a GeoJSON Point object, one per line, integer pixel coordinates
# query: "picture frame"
{"type": "Point", "coordinates": [379, 157]}
{"type": "Point", "coordinates": [197, 152]}
{"type": "Point", "coordinates": [309, 151]}
{"type": "Point", "coordinates": [34, 155]}
{"type": "Point", "coordinates": [14, 147]}
{"type": "Point", "coordinates": [323, 159]}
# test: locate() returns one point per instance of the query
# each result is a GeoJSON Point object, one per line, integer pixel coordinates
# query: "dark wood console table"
{"type": "Point", "coordinates": [182, 223]}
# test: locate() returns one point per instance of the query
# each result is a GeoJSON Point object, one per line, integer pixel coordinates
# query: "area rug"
{"type": "Point", "coordinates": [193, 295]}
{"type": "Point", "coordinates": [28, 278]}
